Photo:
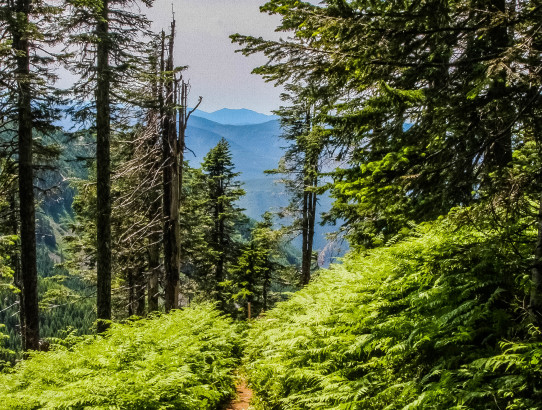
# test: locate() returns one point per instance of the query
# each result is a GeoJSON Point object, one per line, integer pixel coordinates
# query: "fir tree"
{"type": "Point", "coordinates": [110, 35]}
{"type": "Point", "coordinates": [26, 97]}
{"type": "Point", "coordinates": [258, 266]}
{"type": "Point", "coordinates": [223, 190]}
{"type": "Point", "coordinates": [302, 162]}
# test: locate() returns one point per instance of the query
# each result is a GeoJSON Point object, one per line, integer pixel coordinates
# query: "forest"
{"type": "Point", "coordinates": [131, 278]}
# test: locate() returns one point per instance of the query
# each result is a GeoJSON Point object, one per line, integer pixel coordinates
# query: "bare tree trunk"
{"type": "Point", "coordinates": [312, 219]}
{"type": "Point", "coordinates": [309, 205]}
{"type": "Point", "coordinates": [29, 271]}
{"type": "Point", "coordinates": [306, 252]}
{"type": "Point", "coordinates": [103, 171]}
{"type": "Point", "coordinates": [171, 188]}
{"type": "Point", "coordinates": [155, 208]}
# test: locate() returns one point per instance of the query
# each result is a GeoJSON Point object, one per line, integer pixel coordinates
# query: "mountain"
{"type": "Point", "coordinates": [254, 148]}
{"type": "Point", "coordinates": [230, 116]}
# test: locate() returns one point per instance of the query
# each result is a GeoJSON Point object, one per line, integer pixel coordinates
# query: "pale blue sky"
{"type": "Point", "coordinates": [219, 75]}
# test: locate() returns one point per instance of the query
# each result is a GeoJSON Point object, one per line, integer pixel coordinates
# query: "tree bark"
{"type": "Point", "coordinates": [154, 268]}
{"type": "Point", "coordinates": [131, 291]}
{"type": "Point", "coordinates": [535, 305]}
{"type": "Point", "coordinates": [310, 169]}
{"type": "Point", "coordinates": [154, 247]}
{"type": "Point", "coordinates": [26, 179]}
{"type": "Point", "coordinates": [16, 258]}
{"type": "Point", "coordinates": [305, 253]}
{"type": "Point", "coordinates": [140, 292]}
{"type": "Point", "coordinates": [171, 187]}
{"type": "Point", "coordinates": [103, 171]}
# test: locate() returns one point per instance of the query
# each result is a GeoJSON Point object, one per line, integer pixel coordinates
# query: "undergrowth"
{"type": "Point", "coordinates": [182, 360]}
{"type": "Point", "coordinates": [433, 322]}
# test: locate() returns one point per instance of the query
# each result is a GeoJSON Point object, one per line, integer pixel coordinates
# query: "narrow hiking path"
{"type": "Point", "coordinates": [244, 395]}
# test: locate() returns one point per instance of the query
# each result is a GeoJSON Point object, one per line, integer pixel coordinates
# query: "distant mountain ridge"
{"type": "Point", "coordinates": [230, 116]}
{"type": "Point", "coordinates": [254, 148]}
{"type": "Point", "coordinates": [255, 145]}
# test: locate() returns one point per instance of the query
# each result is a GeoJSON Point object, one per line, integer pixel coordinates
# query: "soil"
{"type": "Point", "coordinates": [244, 394]}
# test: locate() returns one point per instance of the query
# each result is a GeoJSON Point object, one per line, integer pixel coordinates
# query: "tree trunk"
{"type": "Point", "coordinates": [310, 170]}
{"type": "Point", "coordinates": [535, 306]}
{"type": "Point", "coordinates": [131, 292]}
{"type": "Point", "coordinates": [265, 289]}
{"type": "Point", "coordinates": [140, 292]}
{"type": "Point", "coordinates": [16, 258]}
{"type": "Point", "coordinates": [171, 188]}
{"type": "Point", "coordinates": [103, 171]}
{"type": "Point", "coordinates": [155, 208]}
{"type": "Point", "coordinates": [312, 219]}
{"type": "Point", "coordinates": [29, 271]}
{"type": "Point", "coordinates": [306, 252]}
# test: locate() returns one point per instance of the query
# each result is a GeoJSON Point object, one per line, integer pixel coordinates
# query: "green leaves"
{"type": "Point", "coordinates": [424, 323]}
{"type": "Point", "coordinates": [183, 360]}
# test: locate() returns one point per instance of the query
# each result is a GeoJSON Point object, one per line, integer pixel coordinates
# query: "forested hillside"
{"type": "Point", "coordinates": [146, 260]}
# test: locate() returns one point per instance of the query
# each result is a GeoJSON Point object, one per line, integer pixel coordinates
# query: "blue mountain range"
{"type": "Point", "coordinates": [255, 145]}
{"type": "Point", "coordinates": [255, 148]}
{"type": "Point", "coordinates": [230, 116]}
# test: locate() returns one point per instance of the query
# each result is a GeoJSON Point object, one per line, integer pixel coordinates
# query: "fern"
{"type": "Point", "coordinates": [425, 323]}
{"type": "Point", "coordinates": [182, 360]}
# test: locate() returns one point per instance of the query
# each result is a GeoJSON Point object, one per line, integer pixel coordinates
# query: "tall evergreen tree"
{"type": "Point", "coordinates": [223, 190]}
{"type": "Point", "coordinates": [302, 162]}
{"type": "Point", "coordinates": [258, 267]}
{"type": "Point", "coordinates": [427, 107]}
{"type": "Point", "coordinates": [195, 223]}
{"type": "Point", "coordinates": [26, 97]}
{"type": "Point", "coordinates": [110, 34]}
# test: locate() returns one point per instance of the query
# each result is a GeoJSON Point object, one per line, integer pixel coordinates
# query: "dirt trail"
{"type": "Point", "coordinates": [244, 394]}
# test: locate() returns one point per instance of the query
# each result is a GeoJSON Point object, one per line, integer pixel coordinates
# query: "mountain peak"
{"type": "Point", "coordinates": [235, 116]}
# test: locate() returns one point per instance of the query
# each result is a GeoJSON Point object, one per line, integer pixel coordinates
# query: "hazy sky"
{"type": "Point", "coordinates": [219, 75]}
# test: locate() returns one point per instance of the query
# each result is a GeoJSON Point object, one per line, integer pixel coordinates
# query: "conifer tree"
{"type": "Point", "coordinates": [27, 98]}
{"type": "Point", "coordinates": [195, 224]}
{"type": "Point", "coordinates": [427, 107]}
{"type": "Point", "coordinates": [257, 266]}
{"type": "Point", "coordinates": [109, 33]}
{"type": "Point", "coordinates": [175, 115]}
{"type": "Point", "coordinates": [223, 191]}
{"type": "Point", "coordinates": [302, 163]}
